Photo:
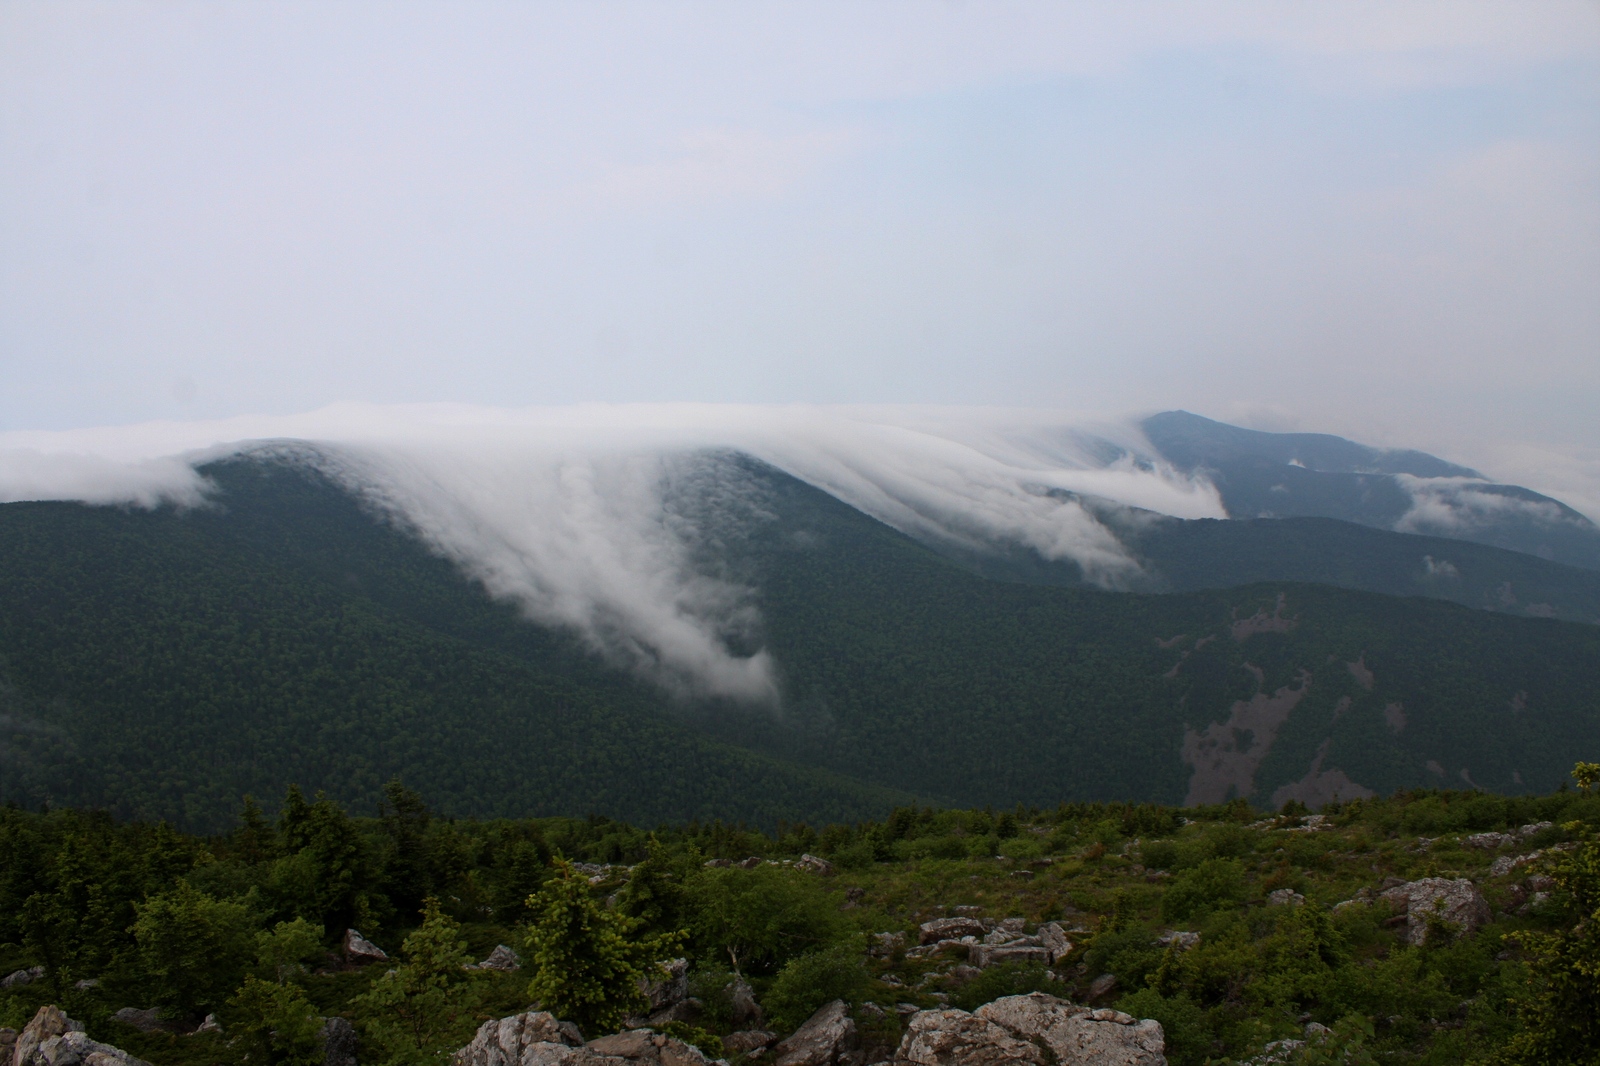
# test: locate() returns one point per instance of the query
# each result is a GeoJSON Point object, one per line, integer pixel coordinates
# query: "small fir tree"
{"type": "Point", "coordinates": [589, 963]}
{"type": "Point", "coordinates": [423, 1007]}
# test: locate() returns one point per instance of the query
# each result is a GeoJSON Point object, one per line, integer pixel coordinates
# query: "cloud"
{"type": "Point", "coordinates": [571, 513]}
{"type": "Point", "coordinates": [1456, 507]}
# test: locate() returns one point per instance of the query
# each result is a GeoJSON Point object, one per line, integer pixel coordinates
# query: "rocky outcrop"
{"type": "Point", "coordinates": [1454, 902]}
{"type": "Point", "coordinates": [984, 956]}
{"type": "Point", "coordinates": [501, 958]}
{"type": "Point", "coordinates": [747, 1040]}
{"type": "Point", "coordinates": [359, 949]}
{"type": "Point", "coordinates": [1055, 942]}
{"type": "Point", "coordinates": [949, 929]}
{"type": "Point", "coordinates": [1037, 1029]}
{"type": "Point", "coordinates": [53, 1039]}
{"type": "Point", "coordinates": [828, 1037]}
{"type": "Point", "coordinates": [668, 996]}
{"type": "Point", "coordinates": [1284, 897]}
{"type": "Point", "coordinates": [743, 1006]}
{"type": "Point", "coordinates": [537, 1038]}
{"type": "Point", "coordinates": [18, 978]}
{"type": "Point", "coordinates": [814, 864]}
{"type": "Point", "coordinates": [338, 1042]}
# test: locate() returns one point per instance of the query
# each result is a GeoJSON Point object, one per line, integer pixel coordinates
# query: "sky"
{"type": "Point", "coordinates": [1375, 219]}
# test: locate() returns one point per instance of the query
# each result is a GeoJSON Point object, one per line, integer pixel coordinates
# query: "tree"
{"type": "Point", "coordinates": [194, 948]}
{"type": "Point", "coordinates": [276, 1023]}
{"type": "Point", "coordinates": [588, 963]}
{"type": "Point", "coordinates": [281, 950]}
{"type": "Point", "coordinates": [424, 1006]}
{"type": "Point", "coordinates": [1559, 1009]}
{"type": "Point", "coordinates": [324, 876]}
{"type": "Point", "coordinates": [654, 894]}
{"type": "Point", "coordinates": [763, 917]}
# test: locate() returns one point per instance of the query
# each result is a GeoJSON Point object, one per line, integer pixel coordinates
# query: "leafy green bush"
{"type": "Point", "coordinates": [194, 948]}
{"type": "Point", "coordinates": [759, 919]}
{"type": "Point", "coordinates": [806, 982]}
{"type": "Point", "coordinates": [1187, 1028]}
{"type": "Point", "coordinates": [705, 1040]}
{"type": "Point", "coordinates": [1214, 883]}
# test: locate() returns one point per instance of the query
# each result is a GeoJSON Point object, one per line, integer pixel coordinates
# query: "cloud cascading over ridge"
{"type": "Point", "coordinates": [563, 510]}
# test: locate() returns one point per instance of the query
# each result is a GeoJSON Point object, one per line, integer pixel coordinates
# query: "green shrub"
{"type": "Point", "coordinates": [759, 919]}
{"type": "Point", "coordinates": [1189, 1039]}
{"type": "Point", "coordinates": [1214, 883]}
{"type": "Point", "coordinates": [706, 1041]}
{"type": "Point", "coordinates": [808, 981]}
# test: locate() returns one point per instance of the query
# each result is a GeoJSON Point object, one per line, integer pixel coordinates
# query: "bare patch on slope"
{"type": "Point", "coordinates": [1226, 756]}
{"type": "Point", "coordinates": [1320, 787]}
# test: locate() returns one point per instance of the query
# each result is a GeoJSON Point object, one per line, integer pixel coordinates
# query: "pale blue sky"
{"type": "Point", "coordinates": [1379, 219]}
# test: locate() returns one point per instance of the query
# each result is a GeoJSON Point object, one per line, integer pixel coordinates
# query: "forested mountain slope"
{"type": "Point", "coordinates": [165, 662]}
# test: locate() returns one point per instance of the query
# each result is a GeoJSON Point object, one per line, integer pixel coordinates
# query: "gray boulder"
{"type": "Point", "coordinates": [815, 864]}
{"type": "Point", "coordinates": [827, 1037]}
{"type": "Point", "coordinates": [18, 978]}
{"type": "Point", "coordinates": [746, 1011]}
{"type": "Point", "coordinates": [53, 1039]}
{"type": "Point", "coordinates": [1054, 939]}
{"type": "Point", "coordinates": [501, 958]}
{"type": "Point", "coordinates": [984, 956]}
{"type": "Point", "coordinates": [1036, 1029]}
{"type": "Point", "coordinates": [641, 1047]}
{"type": "Point", "coordinates": [519, 1040]}
{"type": "Point", "coordinates": [949, 929]}
{"type": "Point", "coordinates": [1454, 902]}
{"type": "Point", "coordinates": [747, 1040]}
{"type": "Point", "coordinates": [359, 949]}
{"type": "Point", "coordinates": [147, 1020]}
{"type": "Point", "coordinates": [338, 1042]}
{"type": "Point", "coordinates": [1284, 897]}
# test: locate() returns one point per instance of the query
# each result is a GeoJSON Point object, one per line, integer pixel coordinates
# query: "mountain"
{"type": "Point", "coordinates": [1306, 475]}
{"type": "Point", "coordinates": [162, 662]}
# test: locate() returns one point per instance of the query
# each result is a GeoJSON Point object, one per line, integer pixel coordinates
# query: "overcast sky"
{"type": "Point", "coordinates": [1379, 219]}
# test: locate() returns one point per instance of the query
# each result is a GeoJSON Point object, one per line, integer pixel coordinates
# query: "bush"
{"type": "Point", "coordinates": [808, 981]}
{"type": "Point", "coordinates": [1214, 883]}
{"type": "Point", "coordinates": [706, 1041]}
{"type": "Point", "coordinates": [1182, 1020]}
{"type": "Point", "coordinates": [760, 919]}
{"type": "Point", "coordinates": [194, 948]}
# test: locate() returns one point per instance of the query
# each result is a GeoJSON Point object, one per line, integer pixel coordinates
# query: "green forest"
{"type": "Point", "coordinates": [161, 663]}
{"type": "Point", "coordinates": [1285, 921]}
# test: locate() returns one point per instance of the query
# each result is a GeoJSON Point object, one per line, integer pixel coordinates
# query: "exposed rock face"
{"type": "Point", "coordinates": [53, 1039]}
{"type": "Point", "coordinates": [338, 1042]}
{"type": "Point", "coordinates": [18, 978]}
{"type": "Point", "coordinates": [501, 958]}
{"type": "Point", "coordinates": [949, 929]}
{"type": "Point", "coordinates": [358, 948]}
{"type": "Point", "coordinates": [815, 864]}
{"type": "Point", "coordinates": [884, 945]}
{"type": "Point", "coordinates": [746, 1011]}
{"type": "Point", "coordinates": [519, 1040]}
{"type": "Point", "coordinates": [639, 1046]}
{"type": "Point", "coordinates": [1055, 942]}
{"type": "Point", "coordinates": [827, 1037]}
{"type": "Point", "coordinates": [1284, 897]}
{"type": "Point", "coordinates": [985, 955]}
{"type": "Point", "coordinates": [747, 1040]}
{"type": "Point", "coordinates": [1035, 1029]}
{"type": "Point", "coordinates": [1454, 902]}
{"type": "Point", "coordinates": [8, 1044]}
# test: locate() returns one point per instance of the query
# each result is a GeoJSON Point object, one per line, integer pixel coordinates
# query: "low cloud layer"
{"type": "Point", "coordinates": [563, 511]}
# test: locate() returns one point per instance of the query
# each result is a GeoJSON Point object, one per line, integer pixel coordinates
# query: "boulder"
{"type": "Point", "coordinates": [338, 1042]}
{"type": "Point", "coordinates": [1284, 897]}
{"type": "Point", "coordinates": [671, 986]}
{"type": "Point", "coordinates": [1455, 902]}
{"type": "Point", "coordinates": [884, 945]}
{"type": "Point", "coordinates": [516, 1041]}
{"type": "Point", "coordinates": [1054, 939]}
{"type": "Point", "coordinates": [1075, 1034]}
{"type": "Point", "coordinates": [826, 1038]}
{"type": "Point", "coordinates": [18, 978]}
{"type": "Point", "coordinates": [146, 1021]}
{"type": "Point", "coordinates": [984, 956]}
{"type": "Point", "coordinates": [1182, 941]}
{"type": "Point", "coordinates": [949, 929]}
{"type": "Point", "coordinates": [359, 949]}
{"type": "Point", "coordinates": [742, 1001]}
{"type": "Point", "coordinates": [53, 1039]}
{"type": "Point", "coordinates": [747, 1040]}
{"type": "Point", "coordinates": [1507, 863]}
{"type": "Point", "coordinates": [209, 1025]}
{"type": "Point", "coordinates": [8, 1044]}
{"type": "Point", "coordinates": [1102, 986]}
{"type": "Point", "coordinates": [956, 1038]}
{"type": "Point", "coordinates": [815, 865]}
{"type": "Point", "coordinates": [639, 1047]}
{"type": "Point", "coordinates": [501, 958]}
{"type": "Point", "coordinates": [1489, 841]}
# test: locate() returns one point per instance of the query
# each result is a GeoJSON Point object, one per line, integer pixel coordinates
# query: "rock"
{"type": "Point", "coordinates": [86, 984]}
{"type": "Point", "coordinates": [1183, 941]}
{"type": "Point", "coordinates": [956, 1038]}
{"type": "Point", "coordinates": [746, 1011]}
{"type": "Point", "coordinates": [338, 1042]}
{"type": "Point", "coordinates": [666, 994]}
{"type": "Point", "coordinates": [634, 1047]}
{"type": "Point", "coordinates": [210, 1025]}
{"type": "Point", "coordinates": [1055, 942]}
{"type": "Point", "coordinates": [359, 949]}
{"type": "Point", "coordinates": [1284, 897]}
{"type": "Point", "coordinates": [984, 956]}
{"type": "Point", "coordinates": [824, 1039]}
{"type": "Point", "coordinates": [1533, 827]}
{"type": "Point", "coordinates": [8, 1044]}
{"type": "Point", "coordinates": [1507, 863]}
{"type": "Point", "coordinates": [884, 945]}
{"type": "Point", "coordinates": [501, 958]}
{"type": "Point", "coordinates": [960, 975]}
{"type": "Point", "coordinates": [18, 978]}
{"type": "Point", "coordinates": [1455, 902]}
{"type": "Point", "coordinates": [509, 1041]}
{"type": "Point", "coordinates": [815, 865]}
{"type": "Point", "coordinates": [1102, 986]}
{"type": "Point", "coordinates": [949, 929]}
{"type": "Point", "coordinates": [1489, 841]}
{"type": "Point", "coordinates": [53, 1039]}
{"type": "Point", "coordinates": [146, 1021]}
{"type": "Point", "coordinates": [1035, 1029]}
{"type": "Point", "coordinates": [747, 1040]}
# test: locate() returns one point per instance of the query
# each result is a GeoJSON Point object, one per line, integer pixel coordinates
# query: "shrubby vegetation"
{"type": "Point", "coordinates": [244, 924]}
